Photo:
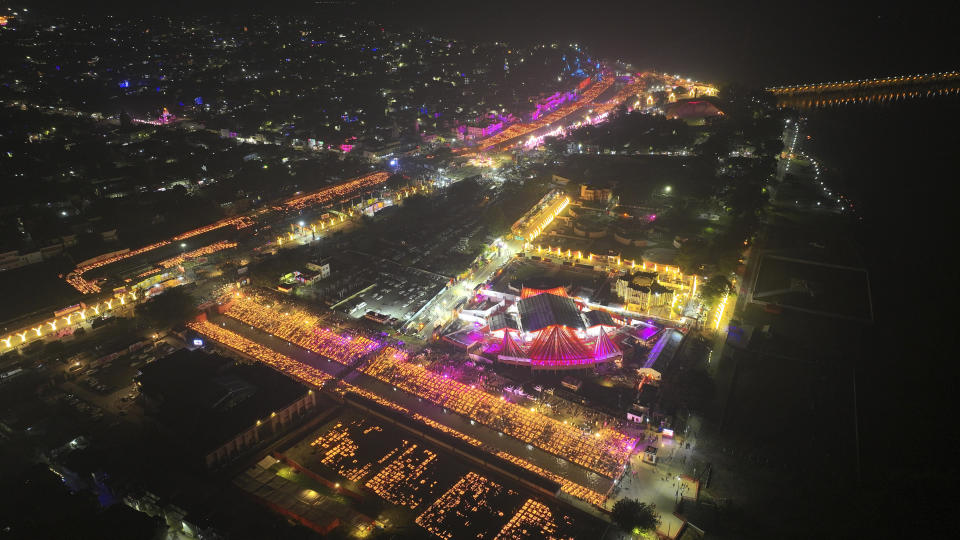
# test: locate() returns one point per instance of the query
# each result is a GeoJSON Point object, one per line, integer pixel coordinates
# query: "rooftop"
{"type": "Point", "coordinates": [543, 310]}
{"type": "Point", "coordinates": [208, 398]}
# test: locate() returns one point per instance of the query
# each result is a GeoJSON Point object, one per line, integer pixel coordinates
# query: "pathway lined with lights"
{"type": "Point", "coordinates": [316, 378]}
{"type": "Point", "coordinates": [205, 250]}
{"type": "Point", "coordinates": [77, 281]}
{"type": "Point", "coordinates": [344, 190]}
{"type": "Point", "coordinates": [604, 452]}
{"type": "Point", "coordinates": [298, 370]}
{"type": "Point", "coordinates": [574, 480]}
{"type": "Point", "coordinates": [73, 317]}
{"type": "Point", "coordinates": [298, 326]}
{"type": "Point", "coordinates": [517, 131]}
{"type": "Point", "coordinates": [348, 188]}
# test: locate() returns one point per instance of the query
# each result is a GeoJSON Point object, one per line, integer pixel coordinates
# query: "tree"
{"type": "Point", "coordinates": [497, 221]}
{"type": "Point", "coordinates": [167, 309]}
{"type": "Point", "coordinates": [715, 287]}
{"type": "Point", "coordinates": [464, 191]}
{"type": "Point", "coordinates": [634, 516]}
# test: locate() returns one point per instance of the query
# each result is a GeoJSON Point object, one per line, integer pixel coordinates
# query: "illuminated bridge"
{"type": "Point", "coordinates": [880, 90]}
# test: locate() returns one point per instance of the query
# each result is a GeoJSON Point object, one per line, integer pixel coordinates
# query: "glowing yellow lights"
{"type": "Point", "coordinates": [37, 330]}
{"type": "Point", "coordinates": [67, 318]}
{"type": "Point", "coordinates": [83, 315]}
{"type": "Point", "coordinates": [6, 340]}
{"type": "Point", "coordinates": [123, 301]}
{"type": "Point", "coordinates": [720, 310]}
{"type": "Point", "coordinates": [22, 335]}
{"type": "Point", "coordinates": [109, 304]}
{"type": "Point", "coordinates": [53, 325]}
{"type": "Point", "coordinates": [96, 309]}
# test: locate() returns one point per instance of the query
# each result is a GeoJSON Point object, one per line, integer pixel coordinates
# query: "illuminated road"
{"type": "Point", "coordinates": [514, 133]}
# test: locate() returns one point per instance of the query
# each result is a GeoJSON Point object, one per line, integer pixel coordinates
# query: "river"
{"type": "Point", "coordinates": [897, 162]}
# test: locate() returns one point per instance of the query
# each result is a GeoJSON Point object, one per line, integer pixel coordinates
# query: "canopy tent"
{"type": "Point", "coordinates": [605, 348]}
{"type": "Point", "coordinates": [559, 345]}
{"type": "Point", "coordinates": [510, 349]}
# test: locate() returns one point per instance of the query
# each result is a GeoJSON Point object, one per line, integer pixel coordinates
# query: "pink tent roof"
{"type": "Point", "coordinates": [559, 344]}
{"type": "Point", "coordinates": [509, 348]}
{"type": "Point", "coordinates": [605, 347]}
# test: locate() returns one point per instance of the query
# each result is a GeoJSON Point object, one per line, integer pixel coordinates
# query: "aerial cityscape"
{"type": "Point", "coordinates": [397, 270]}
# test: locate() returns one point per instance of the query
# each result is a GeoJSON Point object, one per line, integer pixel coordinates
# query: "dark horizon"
{"type": "Point", "coordinates": [755, 43]}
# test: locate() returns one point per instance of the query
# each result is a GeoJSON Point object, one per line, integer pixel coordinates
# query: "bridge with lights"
{"type": "Point", "coordinates": [867, 91]}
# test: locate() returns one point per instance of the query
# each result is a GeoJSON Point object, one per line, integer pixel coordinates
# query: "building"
{"type": "Point", "coordinates": [641, 292]}
{"type": "Point", "coordinates": [601, 194]}
{"type": "Point", "coordinates": [692, 111]}
{"type": "Point", "coordinates": [322, 266]}
{"type": "Point", "coordinates": [219, 408]}
{"type": "Point", "coordinates": [661, 355]}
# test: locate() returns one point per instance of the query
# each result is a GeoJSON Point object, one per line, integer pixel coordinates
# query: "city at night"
{"type": "Point", "coordinates": [399, 269]}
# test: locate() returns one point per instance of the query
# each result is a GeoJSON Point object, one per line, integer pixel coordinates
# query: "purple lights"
{"type": "Point", "coordinates": [548, 104]}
